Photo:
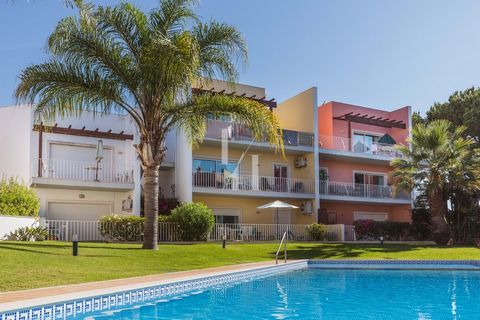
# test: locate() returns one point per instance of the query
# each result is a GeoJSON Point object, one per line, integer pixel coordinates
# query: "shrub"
{"type": "Point", "coordinates": [17, 199]}
{"type": "Point", "coordinates": [122, 228]}
{"type": "Point", "coordinates": [316, 231]}
{"type": "Point", "coordinates": [195, 221]}
{"type": "Point", "coordinates": [373, 230]}
{"type": "Point", "coordinates": [29, 234]}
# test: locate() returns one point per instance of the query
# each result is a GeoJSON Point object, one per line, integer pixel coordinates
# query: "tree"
{"type": "Point", "coordinates": [119, 58]}
{"type": "Point", "coordinates": [461, 109]}
{"type": "Point", "coordinates": [438, 158]}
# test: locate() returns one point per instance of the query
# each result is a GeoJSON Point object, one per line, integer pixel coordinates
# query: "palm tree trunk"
{"type": "Point", "coordinates": [438, 210]}
{"type": "Point", "coordinates": [150, 189]}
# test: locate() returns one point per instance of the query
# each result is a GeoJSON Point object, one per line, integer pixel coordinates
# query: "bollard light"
{"type": "Point", "coordinates": [75, 245]}
{"type": "Point", "coordinates": [224, 242]}
{"type": "Point", "coordinates": [381, 241]}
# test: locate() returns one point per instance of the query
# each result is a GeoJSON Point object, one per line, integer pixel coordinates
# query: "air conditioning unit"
{"type": "Point", "coordinates": [306, 207]}
{"type": "Point", "coordinates": [300, 162]}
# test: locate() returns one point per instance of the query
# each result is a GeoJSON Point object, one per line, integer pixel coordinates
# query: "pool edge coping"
{"type": "Point", "coordinates": [168, 278]}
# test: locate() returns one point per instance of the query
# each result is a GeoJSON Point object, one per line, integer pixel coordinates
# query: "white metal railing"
{"type": "Point", "coordinates": [347, 189]}
{"type": "Point", "coordinates": [349, 145]}
{"type": "Point", "coordinates": [218, 180]}
{"type": "Point", "coordinates": [57, 169]}
{"type": "Point", "coordinates": [241, 132]}
{"type": "Point", "coordinates": [271, 232]}
{"type": "Point", "coordinates": [63, 230]}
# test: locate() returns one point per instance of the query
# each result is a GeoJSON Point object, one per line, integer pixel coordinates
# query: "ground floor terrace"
{"type": "Point", "coordinates": [337, 212]}
{"type": "Point", "coordinates": [229, 209]}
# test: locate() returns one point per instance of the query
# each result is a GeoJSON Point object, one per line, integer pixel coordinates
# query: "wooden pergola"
{"type": "Point", "coordinates": [41, 128]}
{"type": "Point", "coordinates": [371, 120]}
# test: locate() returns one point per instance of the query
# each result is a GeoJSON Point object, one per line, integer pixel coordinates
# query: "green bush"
{"type": "Point", "coordinates": [17, 199]}
{"type": "Point", "coordinates": [122, 228]}
{"type": "Point", "coordinates": [316, 231]}
{"type": "Point", "coordinates": [195, 221]}
{"type": "Point", "coordinates": [29, 234]}
{"type": "Point", "coordinates": [373, 230]}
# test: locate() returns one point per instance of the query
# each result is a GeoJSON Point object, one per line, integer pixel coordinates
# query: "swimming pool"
{"type": "Point", "coordinates": [321, 290]}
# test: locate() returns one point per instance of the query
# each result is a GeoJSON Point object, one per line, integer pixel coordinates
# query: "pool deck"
{"type": "Point", "coordinates": [27, 298]}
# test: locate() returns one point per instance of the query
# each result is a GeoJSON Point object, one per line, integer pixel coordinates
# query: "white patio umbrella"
{"type": "Point", "coordinates": [277, 204]}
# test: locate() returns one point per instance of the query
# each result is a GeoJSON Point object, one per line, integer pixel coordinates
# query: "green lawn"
{"type": "Point", "coordinates": [31, 265]}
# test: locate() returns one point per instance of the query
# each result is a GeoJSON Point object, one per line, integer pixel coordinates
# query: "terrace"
{"type": "Point", "coordinates": [71, 173]}
{"type": "Point", "coordinates": [240, 134]}
{"type": "Point", "coordinates": [344, 191]}
{"type": "Point", "coordinates": [347, 146]}
{"type": "Point", "coordinates": [250, 185]}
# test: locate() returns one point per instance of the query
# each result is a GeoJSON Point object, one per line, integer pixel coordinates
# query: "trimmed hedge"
{"type": "Point", "coordinates": [195, 221]}
{"type": "Point", "coordinates": [316, 231]}
{"type": "Point", "coordinates": [373, 230]}
{"type": "Point", "coordinates": [122, 228]}
{"type": "Point", "coordinates": [18, 199]}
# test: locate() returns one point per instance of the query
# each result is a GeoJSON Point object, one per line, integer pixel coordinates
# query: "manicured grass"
{"type": "Point", "coordinates": [26, 265]}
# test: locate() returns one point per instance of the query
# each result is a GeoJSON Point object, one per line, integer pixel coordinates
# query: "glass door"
{"type": "Point", "coordinates": [280, 174]}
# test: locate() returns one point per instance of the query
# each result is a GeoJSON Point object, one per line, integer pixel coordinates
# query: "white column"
{"type": "Point", "coordinates": [316, 205]}
{"type": "Point", "coordinates": [183, 167]}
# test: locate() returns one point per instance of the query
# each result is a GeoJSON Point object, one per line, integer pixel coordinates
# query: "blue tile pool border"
{"type": "Point", "coordinates": [87, 305]}
{"type": "Point", "coordinates": [396, 264]}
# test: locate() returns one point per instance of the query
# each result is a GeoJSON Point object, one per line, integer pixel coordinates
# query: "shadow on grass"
{"type": "Point", "coordinates": [349, 251]}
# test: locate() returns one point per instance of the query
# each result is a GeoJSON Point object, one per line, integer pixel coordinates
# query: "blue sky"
{"type": "Point", "coordinates": [378, 53]}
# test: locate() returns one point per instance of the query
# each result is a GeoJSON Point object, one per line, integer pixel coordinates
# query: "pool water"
{"type": "Point", "coordinates": [315, 293]}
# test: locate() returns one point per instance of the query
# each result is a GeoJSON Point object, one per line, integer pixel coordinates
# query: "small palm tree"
{"type": "Point", "coordinates": [119, 58]}
{"type": "Point", "coordinates": [438, 158]}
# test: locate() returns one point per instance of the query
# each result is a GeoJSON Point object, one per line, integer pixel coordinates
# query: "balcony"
{"type": "Point", "coordinates": [344, 191]}
{"type": "Point", "coordinates": [239, 133]}
{"type": "Point", "coordinates": [341, 146]}
{"type": "Point", "coordinates": [81, 174]}
{"type": "Point", "coordinates": [249, 185]}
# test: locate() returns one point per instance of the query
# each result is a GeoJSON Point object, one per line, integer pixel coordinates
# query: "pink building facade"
{"type": "Point", "coordinates": [356, 145]}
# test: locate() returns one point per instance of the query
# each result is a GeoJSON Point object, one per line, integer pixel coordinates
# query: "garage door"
{"type": "Point", "coordinates": [77, 211]}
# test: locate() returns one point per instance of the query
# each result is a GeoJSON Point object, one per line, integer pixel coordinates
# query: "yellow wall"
{"type": "Point", "coordinates": [298, 112]}
{"type": "Point", "coordinates": [266, 160]}
{"type": "Point", "coordinates": [249, 211]}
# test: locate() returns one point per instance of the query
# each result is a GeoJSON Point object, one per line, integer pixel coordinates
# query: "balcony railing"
{"type": "Point", "coordinates": [349, 145]}
{"type": "Point", "coordinates": [241, 132]}
{"type": "Point", "coordinates": [345, 189]}
{"type": "Point", "coordinates": [81, 171]}
{"type": "Point", "coordinates": [216, 180]}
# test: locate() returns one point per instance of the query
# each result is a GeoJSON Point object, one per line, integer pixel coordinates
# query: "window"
{"type": "Point", "coordinates": [364, 143]}
{"type": "Point", "coordinates": [227, 215]}
{"type": "Point", "coordinates": [369, 178]}
{"type": "Point", "coordinates": [204, 165]}
{"type": "Point", "coordinates": [375, 216]}
{"type": "Point", "coordinates": [226, 219]}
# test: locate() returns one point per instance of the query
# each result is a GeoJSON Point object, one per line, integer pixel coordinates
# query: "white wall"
{"type": "Point", "coordinates": [15, 128]}
{"type": "Point", "coordinates": [9, 224]}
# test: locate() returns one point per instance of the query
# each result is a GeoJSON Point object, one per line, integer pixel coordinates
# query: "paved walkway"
{"type": "Point", "coordinates": [26, 298]}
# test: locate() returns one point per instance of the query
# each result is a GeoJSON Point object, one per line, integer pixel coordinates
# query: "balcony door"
{"type": "Point", "coordinates": [280, 174]}
{"type": "Point", "coordinates": [213, 173]}
{"type": "Point", "coordinates": [364, 143]}
{"type": "Point", "coordinates": [369, 184]}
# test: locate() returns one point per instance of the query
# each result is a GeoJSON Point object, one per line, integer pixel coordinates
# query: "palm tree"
{"type": "Point", "coordinates": [438, 158]}
{"type": "Point", "coordinates": [119, 58]}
